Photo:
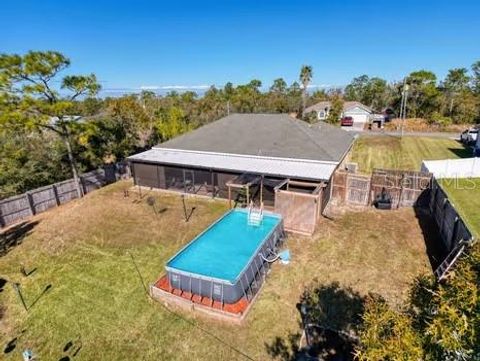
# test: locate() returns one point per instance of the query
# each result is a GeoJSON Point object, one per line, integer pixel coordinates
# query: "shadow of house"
{"type": "Point", "coordinates": [330, 318]}
{"type": "Point", "coordinates": [13, 236]}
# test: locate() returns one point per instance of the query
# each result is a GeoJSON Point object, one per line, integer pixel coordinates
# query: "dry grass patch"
{"type": "Point", "coordinates": [422, 125]}
{"type": "Point", "coordinates": [82, 250]}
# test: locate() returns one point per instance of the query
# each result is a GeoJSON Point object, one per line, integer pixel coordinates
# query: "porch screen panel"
{"type": "Point", "coordinates": [222, 178]}
{"type": "Point", "coordinates": [146, 175]}
{"type": "Point", "coordinates": [174, 178]}
{"type": "Point", "coordinates": [202, 181]}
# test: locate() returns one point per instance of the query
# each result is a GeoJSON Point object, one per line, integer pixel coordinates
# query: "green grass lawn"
{"type": "Point", "coordinates": [404, 153]}
{"type": "Point", "coordinates": [464, 193]}
{"type": "Point", "coordinates": [81, 252]}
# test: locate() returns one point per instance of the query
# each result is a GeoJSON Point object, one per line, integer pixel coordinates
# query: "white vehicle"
{"type": "Point", "coordinates": [469, 136]}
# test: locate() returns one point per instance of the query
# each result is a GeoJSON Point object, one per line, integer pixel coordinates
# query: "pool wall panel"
{"type": "Point", "coordinates": [224, 291]}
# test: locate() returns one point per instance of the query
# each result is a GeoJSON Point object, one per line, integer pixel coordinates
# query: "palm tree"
{"type": "Point", "coordinates": [306, 74]}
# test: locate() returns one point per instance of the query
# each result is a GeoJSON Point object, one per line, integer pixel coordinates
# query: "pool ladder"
{"type": "Point", "coordinates": [255, 215]}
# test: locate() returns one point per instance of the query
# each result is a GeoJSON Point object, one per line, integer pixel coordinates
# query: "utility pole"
{"type": "Point", "coordinates": [401, 103]}
{"type": "Point", "coordinates": [403, 106]}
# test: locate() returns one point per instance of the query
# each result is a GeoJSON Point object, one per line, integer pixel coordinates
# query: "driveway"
{"type": "Point", "coordinates": [356, 127]}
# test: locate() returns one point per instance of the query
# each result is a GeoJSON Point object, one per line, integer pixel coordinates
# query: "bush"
{"type": "Point", "coordinates": [440, 120]}
{"type": "Point", "coordinates": [310, 117]}
{"type": "Point", "coordinates": [440, 322]}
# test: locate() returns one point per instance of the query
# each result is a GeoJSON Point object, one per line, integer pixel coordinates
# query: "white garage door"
{"type": "Point", "coordinates": [358, 114]}
{"type": "Point", "coordinates": [359, 118]}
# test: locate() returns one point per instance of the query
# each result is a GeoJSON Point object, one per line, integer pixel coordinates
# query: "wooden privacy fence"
{"type": "Point", "coordinates": [451, 226]}
{"type": "Point", "coordinates": [405, 188]}
{"type": "Point", "coordinates": [39, 200]}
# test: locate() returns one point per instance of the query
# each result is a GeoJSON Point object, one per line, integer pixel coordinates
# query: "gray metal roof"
{"type": "Point", "coordinates": [269, 135]}
{"type": "Point", "coordinates": [281, 167]}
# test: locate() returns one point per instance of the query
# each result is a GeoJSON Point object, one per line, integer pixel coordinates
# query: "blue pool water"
{"type": "Point", "coordinates": [225, 248]}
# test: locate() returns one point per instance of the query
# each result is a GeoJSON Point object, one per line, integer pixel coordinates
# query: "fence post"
{"type": "Point", "coordinates": [82, 184]}
{"type": "Point", "coordinates": [345, 197]}
{"type": "Point", "coordinates": [2, 221]}
{"type": "Point", "coordinates": [55, 194]}
{"type": "Point", "coordinates": [400, 195]}
{"type": "Point", "coordinates": [30, 203]}
{"type": "Point", "coordinates": [370, 186]}
{"type": "Point", "coordinates": [128, 171]}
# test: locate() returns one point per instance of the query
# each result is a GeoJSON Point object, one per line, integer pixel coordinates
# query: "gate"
{"type": "Point", "coordinates": [358, 190]}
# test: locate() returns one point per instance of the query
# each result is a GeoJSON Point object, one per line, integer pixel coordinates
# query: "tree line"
{"type": "Point", "coordinates": [452, 100]}
{"type": "Point", "coordinates": [53, 127]}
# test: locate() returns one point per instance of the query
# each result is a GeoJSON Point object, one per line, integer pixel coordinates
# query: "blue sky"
{"type": "Point", "coordinates": [130, 44]}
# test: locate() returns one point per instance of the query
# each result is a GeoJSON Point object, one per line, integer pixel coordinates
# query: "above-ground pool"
{"type": "Point", "coordinates": [223, 261]}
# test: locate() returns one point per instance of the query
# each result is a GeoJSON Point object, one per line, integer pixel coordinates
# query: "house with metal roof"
{"type": "Point", "coordinates": [246, 157]}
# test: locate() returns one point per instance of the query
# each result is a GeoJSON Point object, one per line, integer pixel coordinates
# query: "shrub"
{"type": "Point", "coordinates": [440, 119]}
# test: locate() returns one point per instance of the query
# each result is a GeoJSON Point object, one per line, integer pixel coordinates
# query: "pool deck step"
{"type": "Point", "coordinates": [237, 308]}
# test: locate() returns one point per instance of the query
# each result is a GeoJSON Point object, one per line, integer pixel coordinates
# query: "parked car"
{"type": "Point", "coordinates": [346, 121]}
{"type": "Point", "coordinates": [469, 136]}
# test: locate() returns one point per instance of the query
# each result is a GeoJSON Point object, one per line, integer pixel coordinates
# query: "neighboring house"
{"type": "Point", "coordinates": [359, 112]}
{"type": "Point", "coordinates": [249, 149]}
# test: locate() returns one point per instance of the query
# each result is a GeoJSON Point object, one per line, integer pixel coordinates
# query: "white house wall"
{"type": "Point", "coordinates": [358, 114]}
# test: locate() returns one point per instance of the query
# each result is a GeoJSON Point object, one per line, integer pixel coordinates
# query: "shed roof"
{"type": "Point", "coordinates": [268, 135]}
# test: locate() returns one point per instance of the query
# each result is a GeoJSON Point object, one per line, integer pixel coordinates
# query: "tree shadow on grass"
{"type": "Point", "coordinates": [331, 316]}
{"type": "Point", "coordinates": [12, 344]}
{"type": "Point", "coordinates": [71, 349]}
{"type": "Point", "coordinates": [13, 236]}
